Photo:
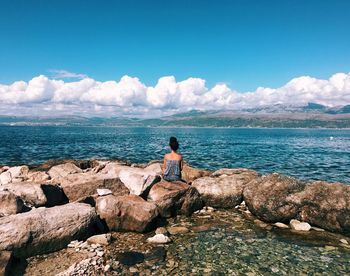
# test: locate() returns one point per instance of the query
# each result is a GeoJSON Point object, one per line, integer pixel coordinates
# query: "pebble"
{"type": "Point", "coordinates": [159, 238]}
{"type": "Point", "coordinates": [344, 241]}
{"type": "Point", "coordinates": [299, 226]}
{"type": "Point", "coordinates": [281, 225]}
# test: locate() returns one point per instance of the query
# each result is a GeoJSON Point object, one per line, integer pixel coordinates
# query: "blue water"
{"type": "Point", "coordinates": [304, 153]}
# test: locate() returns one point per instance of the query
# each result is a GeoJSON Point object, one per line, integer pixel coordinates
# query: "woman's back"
{"type": "Point", "coordinates": [172, 162]}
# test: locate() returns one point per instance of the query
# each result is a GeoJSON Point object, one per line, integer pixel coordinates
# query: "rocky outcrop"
{"type": "Point", "coordinates": [10, 204]}
{"type": "Point", "coordinates": [267, 197]}
{"type": "Point", "coordinates": [127, 213]}
{"type": "Point", "coordinates": [326, 205]}
{"type": "Point", "coordinates": [82, 185]}
{"type": "Point", "coordinates": [61, 171]}
{"type": "Point", "coordinates": [36, 194]}
{"type": "Point", "coordinates": [46, 229]}
{"type": "Point", "coordinates": [14, 175]}
{"type": "Point", "coordinates": [225, 190]}
{"type": "Point", "coordinates": [174, 198]}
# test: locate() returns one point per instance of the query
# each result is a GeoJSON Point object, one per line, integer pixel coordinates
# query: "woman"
{"type": "Point", "coordinates": [172, 166]}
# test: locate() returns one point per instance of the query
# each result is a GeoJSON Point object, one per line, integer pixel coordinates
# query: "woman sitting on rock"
{"type": "Point", "coordinates": [172, 166]}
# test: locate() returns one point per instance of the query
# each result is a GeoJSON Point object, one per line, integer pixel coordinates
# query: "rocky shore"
{"type": "Point", "coordinates": [78, 208]}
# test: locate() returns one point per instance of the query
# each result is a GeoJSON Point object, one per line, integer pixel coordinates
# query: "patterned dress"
{"type": "Point", "coordinates": [173, 170]}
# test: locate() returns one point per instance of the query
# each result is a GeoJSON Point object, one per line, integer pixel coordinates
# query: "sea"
{"type": "Point", "coordinates": [308, 154]}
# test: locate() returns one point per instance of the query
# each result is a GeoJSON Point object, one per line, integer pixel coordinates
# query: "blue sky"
{"type": "Point", "coordinates": [243, 43]}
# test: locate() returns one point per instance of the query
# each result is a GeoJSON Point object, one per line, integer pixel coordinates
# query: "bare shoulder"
{"type": "Point", "coordinates": [166, 156]}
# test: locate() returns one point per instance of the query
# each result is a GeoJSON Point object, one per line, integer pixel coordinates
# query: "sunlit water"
{"type": "Point", "coordinates": [304, 153]}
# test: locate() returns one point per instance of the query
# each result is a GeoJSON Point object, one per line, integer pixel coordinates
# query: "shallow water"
{"type": "Point", "coordinates": [321, 154]}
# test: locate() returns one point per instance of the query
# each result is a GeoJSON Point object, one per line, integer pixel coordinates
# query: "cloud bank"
{"type": "Point", "coordinates": [129, 96]}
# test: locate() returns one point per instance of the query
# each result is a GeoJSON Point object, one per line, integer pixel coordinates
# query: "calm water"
{"type": "Point", "coordinates": [304, 153]}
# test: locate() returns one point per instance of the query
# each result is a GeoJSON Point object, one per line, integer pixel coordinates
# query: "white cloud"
{"type": "Point", "coordinates": [64, 74]}
{"type": "Point", "coordinates": [129, 95]}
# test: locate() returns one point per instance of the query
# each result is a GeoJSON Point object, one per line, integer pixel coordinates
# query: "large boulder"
{"type": "Point", "coordinates": [326, 205]}
{"type": "Point", "coordinates": [82, 185]}
{"type": "Point", "coordinates": [61, 171]}
{"type": "Point", "coordinates": [225, 191]}
{"type": "Point", "coordinates": [267, 197]}
{"type": "Point", "coordinates": [36, 194]}
{"type": "Point", "coordinates": [14, 174]}
{"type": "Point", "coordinates": [47, 229]}
{"type": "Point", "coordinates": [174, 198]}
{"type": "Point", "coordinates": [190, 174]}
{"type": "Point", "coordinates": [37, 176]}
{"type": "Point", "coordinates": [127, 213]}
{"type": "Point", "coordinates": [10, 204]}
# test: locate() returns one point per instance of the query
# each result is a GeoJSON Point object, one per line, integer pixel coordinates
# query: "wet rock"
{"type": "Point", "coordinates": [161, 230]}
{"type": "Point", "coordinates": [129, 213]}
{"type": "Point", "coordinates": [326, 205]}
{"type": "Point", "coordinates": [46, 229]}
{"type": "Point", "coordinates": [63, 170]}
{"type": "Point", "coordinates": [224, 191]}
{"type": "Point", "coordinates": [130, 258]}
{"type": "Point", "coordinates": [14, 175]}
{"type": "Point", "coordinates": [159, 238]}
{"type": "Point", "coordinates": [268, 197]}
{"type": "Point", "coordinates": [10, 204]}
{"type": "Point", "coordinates": [35, 176]}
{"type": "Point", "coordinates": [174, 230]}
{"type": "Point", "coordinates": [344, 241]}
{"type": "Point", "coordinates": [103, 239]}
{"type": "Point", "coordinates": [174, 198]}
{"type": "Point", "coordinates": [156, 254]}
{"type": "Point", "coordinates": [82, 185]}
{"type": "Point", "coordinates": [299, 226]}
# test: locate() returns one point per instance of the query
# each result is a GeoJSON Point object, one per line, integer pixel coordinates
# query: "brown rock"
{"type": "Point", "coordinates": [46, 229]}
{"type": "Point", "coordinates": [80, 186]}
{"type": "Point", "coordinates": [326, 205]}
{"type": "Point", "coordinates": [267, 197]}
{"type": "Point", "coordinates": [5, 262]}
{"type": "Point", "coordinates": [127, 213]}
{"type": "Point", "coordinates": [189, 174]}
{"type": "Point", "coordinates": [225, 191]}
{"type": "Point", "coordinates": [63, 170]}
{"type": "Point", "coordinates": [10, 204]}
{"type": "Point", "coordinates": [35, 176]}
{"type": "Point", "coordinates": [175, 198]}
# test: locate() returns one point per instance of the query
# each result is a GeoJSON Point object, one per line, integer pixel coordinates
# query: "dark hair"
{"type": "Point", "coordinates": [173, 143]}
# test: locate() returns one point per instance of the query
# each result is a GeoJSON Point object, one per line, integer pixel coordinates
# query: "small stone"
{"type": "Point", "coordinates": [159, 238]}
{"type": "Point", "coordinates": [178, 230]}
{"type": "Point", "coordinates": [281, 225]}
{"type": "Point", "coordinates": [103, 239]}
{"type": "Point", "coordinates": [103, 192]}
{"type": "Point", "coordinates": [161, 230]}
{"type": "Point", "coordinates": [133, 269]}
{"type": "Point", "coordinates": [299, 226]}
{"type": "Point", "coordinates": [100, 253]}
{"type": "Point", "coordinates": [330, 248]}
{"type": "Point", "coordinates": [344, 241]}
{"type": "Point", "coordinates": [317, 229]}
{"type": "Point", "coordinates": [106, 268]}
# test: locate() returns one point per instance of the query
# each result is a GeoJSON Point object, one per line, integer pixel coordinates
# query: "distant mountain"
{"type": "Point", "coordinates": [312, 115]}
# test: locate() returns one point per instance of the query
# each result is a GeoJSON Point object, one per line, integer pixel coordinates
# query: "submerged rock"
{"type": "Point", "coordinates": [299, 226]}
{"type": "Point", "coordinates": [46, 229]}
{"type": "Point", "coordinates": [174, 230]}
{"type": "Point", "coordinates": [174, 198]}
{"type": "Point", "coordinates": [268, 197]}
{"type": "Point", "coordinates": [130, 258]}
{"type": "Point", "coordinates": [225, 191]}
{"type": "Point", "coordinates": [159, 238]}
{"type": "Point", "coordinates": [127, 213]}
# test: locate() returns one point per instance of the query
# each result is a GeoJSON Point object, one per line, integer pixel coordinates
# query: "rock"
{"type": "Point", "coordinates": [174, 230]}
{"type": "Point", "coordinates": [37, 177]}
{"type": "Point", "coordinates": [344, 241]}
{"type": "Point", "coordinates": [161, 230]}
{"type": "Point", "coordinates": [154, 169]}
{"type": "Point", "coordinates": [112, 169]}
{"type": "Point", "coordinates": [82, 185]}
{"type": "Point", "coordinates": [159, 238]}
{"type": "Point", "coordinates": [103, 192]}
{"type": "Point", "coordinates": [36, 194]}
{"type": "Point", "coordinates": [10, 204]}
{"type": "Point", "coordinates": [63, 170]}
{"type": "Point", "coordinates": [174, 198]}
{"type": "Point", "coordinates": [46, 229]}
{"type": "Point", "coordinates": [190, 174]}
{"type": "Point", "coordinates": [103, 239]}
{"type": "Point", "coordinates": [299, 226]}
{"type": "Point", "coordinates": [137, 180]}
{"type": "Point", "coordinates": [225, 191]}
{"type": "Point", "coordinates": [268, 197]}
{"type": "Point", "coordinates": [281, 225]}
{"type": "Point", "coordinates": [128, 213]}
{"type": "Point", "coordinates": [326, 205]}
{"type": "Point", "coordinates": [14, 175]}
{"type": "Point", "coordinates": [157, 253]}
{"type": "Point", "coordinates": [5, 262]}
